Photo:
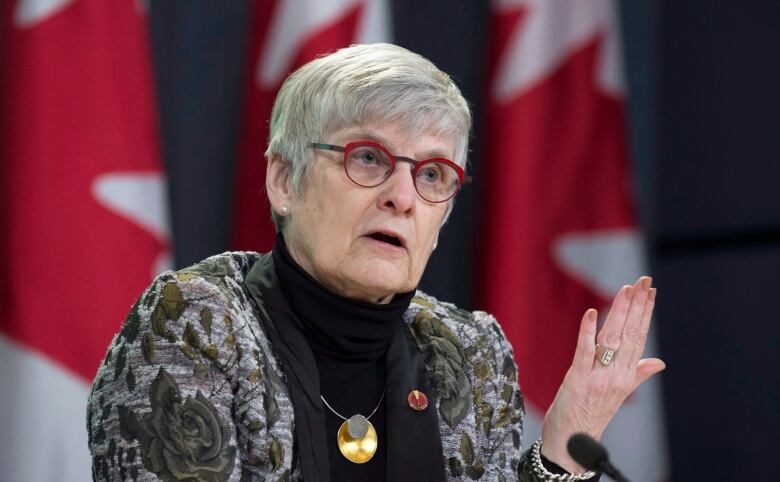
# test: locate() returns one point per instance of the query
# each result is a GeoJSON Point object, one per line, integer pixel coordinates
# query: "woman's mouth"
{"type": "Point", "coordinates": [386, 238]}
{"type": "Point", "coordinates": [388, 241]}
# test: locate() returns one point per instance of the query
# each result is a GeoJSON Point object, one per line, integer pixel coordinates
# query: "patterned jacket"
{"type": "Point", "coordinates": [191, 389]}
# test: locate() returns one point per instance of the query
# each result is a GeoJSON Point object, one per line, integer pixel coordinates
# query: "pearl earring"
{"type": "Point", "coordinates": [284, 210]}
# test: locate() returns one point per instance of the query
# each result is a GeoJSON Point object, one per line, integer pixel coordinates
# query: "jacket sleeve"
{"type": "Point", "coordinates": [498, 404]}
{"type": "Point", "coordinates": [160, 406]}
{"type": "Point", "coordinates": [505, 416]}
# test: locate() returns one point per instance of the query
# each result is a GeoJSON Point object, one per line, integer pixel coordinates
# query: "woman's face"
{"type": "Point", "coordinates": [335, 228]}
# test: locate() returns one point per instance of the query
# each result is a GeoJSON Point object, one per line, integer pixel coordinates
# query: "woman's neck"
{"type": "Point", "coordinates": [335, 326]}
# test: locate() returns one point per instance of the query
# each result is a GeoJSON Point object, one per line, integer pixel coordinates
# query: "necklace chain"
{"type": "Point", "coordinates": [345, 418]}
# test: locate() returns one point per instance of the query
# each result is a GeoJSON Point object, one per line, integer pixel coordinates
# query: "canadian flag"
{"type": "Point", "coordinates": [84, 216]}
{"type": "Point", "coordinates": [287, 34]}
{"type": "Point", "coordinates": [560, 234]}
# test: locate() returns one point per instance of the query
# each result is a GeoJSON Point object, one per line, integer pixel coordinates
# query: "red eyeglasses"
{"type": "Point", "coordinates": [369, 164]}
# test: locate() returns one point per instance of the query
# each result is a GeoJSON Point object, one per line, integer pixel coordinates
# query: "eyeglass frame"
{"type": "Point", "coordinates": [463, 178]}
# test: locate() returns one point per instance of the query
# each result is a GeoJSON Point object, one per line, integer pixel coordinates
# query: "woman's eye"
{"type": "Point", "coordinates": [366, 157]}
{"type": "Point", "coordinates": [430, 174]}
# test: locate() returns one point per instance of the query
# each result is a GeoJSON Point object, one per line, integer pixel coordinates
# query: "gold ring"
{"type": "Point", "coordinates": [605, 355]}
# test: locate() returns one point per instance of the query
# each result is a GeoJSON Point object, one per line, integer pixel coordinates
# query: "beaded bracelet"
{"type": "Point", "coordinates": [544, 474]}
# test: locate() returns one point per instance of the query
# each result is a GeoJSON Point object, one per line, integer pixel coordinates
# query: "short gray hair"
{"type": "Point", "coordinates": [360, 84]}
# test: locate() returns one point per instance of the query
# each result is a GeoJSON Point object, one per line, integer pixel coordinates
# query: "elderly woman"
{"type": "Point", "coordinates": [319, 361]}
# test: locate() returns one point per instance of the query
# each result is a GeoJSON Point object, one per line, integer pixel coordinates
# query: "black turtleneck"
{"type": "Point", "coordinates": [349, 340]}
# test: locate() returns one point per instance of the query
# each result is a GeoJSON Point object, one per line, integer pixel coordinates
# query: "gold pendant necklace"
{"type": "Point", "coordinates": [357, 438]}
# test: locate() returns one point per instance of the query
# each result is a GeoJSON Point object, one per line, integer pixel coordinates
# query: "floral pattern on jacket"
{"type": "Point", "coordinates": [190, 388]}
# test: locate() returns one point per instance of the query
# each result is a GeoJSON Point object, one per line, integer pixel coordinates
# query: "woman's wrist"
{"type": "Point", "coordinates": [559, 455]}
{"type": "Point", "coordinates": [574, 471]}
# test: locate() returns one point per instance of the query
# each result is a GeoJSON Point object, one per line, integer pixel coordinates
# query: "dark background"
{"type": "Point", "coordinates": [703, 118]}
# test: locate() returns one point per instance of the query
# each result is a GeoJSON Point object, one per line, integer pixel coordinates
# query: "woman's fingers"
{"type": "Point", "coordinates": [610, 333]}
{"type": "Point", "coordinates": [586, 348]}
{"type": "Point", "coordinates": [645, 369]}
{"type": "Point", "coordinates": [632, 339]}
{"type": "Point", "coordinates": [636, 337]}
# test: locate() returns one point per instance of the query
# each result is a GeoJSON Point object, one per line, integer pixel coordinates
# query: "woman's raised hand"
{"type": "Point", "coordinates": [592, 392]}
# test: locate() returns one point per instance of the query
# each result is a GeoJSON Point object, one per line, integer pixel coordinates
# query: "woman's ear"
{"type": "Point", "coordinates": [277, 184]}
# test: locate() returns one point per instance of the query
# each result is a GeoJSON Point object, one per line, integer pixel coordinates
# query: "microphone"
{"type": "Point", "coordinates": [592, 455]}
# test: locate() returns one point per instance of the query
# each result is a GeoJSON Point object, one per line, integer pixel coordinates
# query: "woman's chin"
{"type": "Point", "coordinates": [381, 279]}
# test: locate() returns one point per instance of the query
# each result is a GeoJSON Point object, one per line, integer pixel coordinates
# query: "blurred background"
{"type": "Point", "coordinates": [611, 139]}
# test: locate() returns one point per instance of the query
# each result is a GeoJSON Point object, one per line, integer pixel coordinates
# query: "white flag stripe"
{"type": "Point", "coordinates": [605, 261]}
{"type": "Point", "coordinates": [635, 437]}
{"type": "Point", "coordinates": [41, 402]}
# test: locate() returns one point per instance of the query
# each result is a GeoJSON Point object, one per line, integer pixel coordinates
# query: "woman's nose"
{"type": "Point", "coordinates": [398, 192]}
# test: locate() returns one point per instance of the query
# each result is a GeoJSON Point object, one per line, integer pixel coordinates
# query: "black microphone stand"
{"type": "Point", "coordinates": [607, 468]}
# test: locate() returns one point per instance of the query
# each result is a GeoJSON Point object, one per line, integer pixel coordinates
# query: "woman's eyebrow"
{"type": "Point", "coordinates": [369, 136]}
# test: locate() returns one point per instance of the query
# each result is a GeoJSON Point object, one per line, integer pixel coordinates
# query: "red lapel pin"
{"type": "Point", "coordinates": [417, 400]}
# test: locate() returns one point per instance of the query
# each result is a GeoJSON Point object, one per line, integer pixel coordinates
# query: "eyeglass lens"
{"type": "Point", "coordinates": [369, 166]}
